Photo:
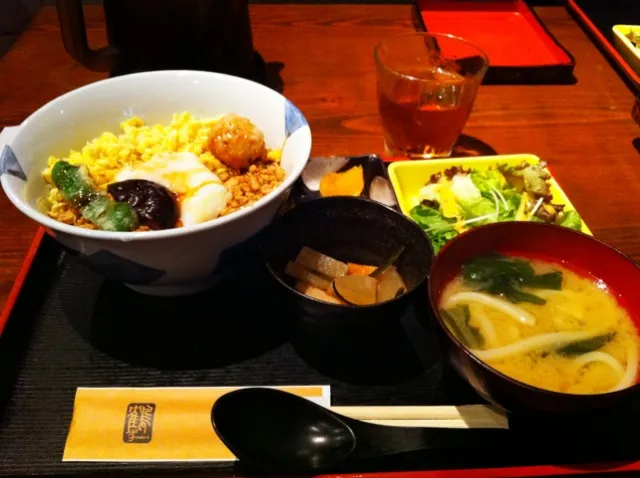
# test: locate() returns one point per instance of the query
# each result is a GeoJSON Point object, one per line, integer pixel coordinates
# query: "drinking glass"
{"type": "Point", "coordinates": [427, 83]}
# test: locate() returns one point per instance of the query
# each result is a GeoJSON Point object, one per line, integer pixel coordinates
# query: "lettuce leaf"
{"type": "Point", "coordinates": [480, 208]}
{"type": "Point", "coordinates": [490, 180]}
{"type": "Point", "coordinates": [439, 229]}
{"type": "Point", "coordinates": [498, 195]}
{"type": "Point", "coordinates": [572, 220]}
{"type": "Point", "coordinates": [457, 199]}
{"type": "Point", "coordinates": [473, 202]}
{"type": "Point", "coordinates": [508, 212]}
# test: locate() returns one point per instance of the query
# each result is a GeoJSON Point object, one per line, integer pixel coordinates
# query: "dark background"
{"type": "Point", "coordinates": [16, 14]}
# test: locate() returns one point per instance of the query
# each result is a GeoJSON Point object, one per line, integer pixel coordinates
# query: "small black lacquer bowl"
{"type": "Point", "coordinates": [349, 229]}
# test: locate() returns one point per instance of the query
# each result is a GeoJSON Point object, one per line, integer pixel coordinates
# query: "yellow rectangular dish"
{"type": "Point", "coordinates": [626, 48]}
{"type": "Point", "coordinates": [408, 177]}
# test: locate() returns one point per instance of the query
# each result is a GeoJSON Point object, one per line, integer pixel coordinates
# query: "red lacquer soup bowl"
{"type": "Point", "coordinates": [574, 250]}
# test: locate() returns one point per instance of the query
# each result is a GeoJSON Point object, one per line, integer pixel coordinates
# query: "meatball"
{"type": "Point", "coordinates": [236, 141]}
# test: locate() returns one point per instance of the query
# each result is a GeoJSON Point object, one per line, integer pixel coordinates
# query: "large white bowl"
{"type": "Point", "coordinates": [169, 262]}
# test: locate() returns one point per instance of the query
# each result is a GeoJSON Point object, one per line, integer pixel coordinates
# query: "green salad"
{"type": "Point", "coordinates": [458, 199]}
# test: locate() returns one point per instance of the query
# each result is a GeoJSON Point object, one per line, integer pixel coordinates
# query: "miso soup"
{"type": "Point", "coordinates": [542, 324]}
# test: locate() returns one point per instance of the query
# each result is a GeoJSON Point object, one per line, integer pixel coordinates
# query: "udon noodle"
{"type": "Point", "coordinates": [542, 324]}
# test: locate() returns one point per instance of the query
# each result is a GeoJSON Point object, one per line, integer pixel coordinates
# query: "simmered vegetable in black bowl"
{"type": "Point", "coordinates": [346, 261]}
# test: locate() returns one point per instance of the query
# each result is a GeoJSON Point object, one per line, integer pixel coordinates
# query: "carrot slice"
{"type": "Point", "coordinates": [359, 269]}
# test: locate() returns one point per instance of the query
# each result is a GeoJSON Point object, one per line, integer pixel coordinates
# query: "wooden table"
{"type": "Point", "coordinates": [324, 56]}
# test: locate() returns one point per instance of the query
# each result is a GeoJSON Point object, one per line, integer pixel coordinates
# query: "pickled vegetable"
{"type": "Point", "coordinates": [318, 168]}
{"type": "Point", "coordinates": [316, 293]}
{"type": "Point", "coordinates": [346, 183]}
{"type": "Point", "coordinates": [380, 190]}
{"type": "Point", "coordinates": [303, 274]}
{"type": "Point", "coordinates": [390, 285]}
{"type": "Point", "coordinates": [321, 263]}
{"type": "Point", "coordinates": [356, 290]}
{"type": "Point", "coordinates": [77, 188]}
{"type": "Point", "coordinates": [154, 204]}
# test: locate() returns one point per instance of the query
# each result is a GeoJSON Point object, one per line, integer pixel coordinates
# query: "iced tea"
{"type": "Point", "coordinates": [424, 95]}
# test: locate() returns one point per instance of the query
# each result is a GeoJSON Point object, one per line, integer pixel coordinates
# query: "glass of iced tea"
{"type": "Point", "coordinates": [427, 83]}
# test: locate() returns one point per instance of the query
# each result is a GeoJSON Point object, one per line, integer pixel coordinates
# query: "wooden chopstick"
{"type": "Point", "coordinates": [439, 423]}
{"type": "Point", "coordinates": [465, 416]}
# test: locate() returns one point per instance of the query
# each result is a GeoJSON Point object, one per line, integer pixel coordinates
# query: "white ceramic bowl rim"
{"type": "Point", "coordinates": [51, 223]}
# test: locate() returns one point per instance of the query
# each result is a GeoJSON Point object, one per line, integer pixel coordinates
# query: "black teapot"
{"type": "Point", "coordinates": [144, 35]}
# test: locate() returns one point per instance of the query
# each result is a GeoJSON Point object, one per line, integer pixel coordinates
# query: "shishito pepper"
{"type": "Point", "coordinates": [77, 188]}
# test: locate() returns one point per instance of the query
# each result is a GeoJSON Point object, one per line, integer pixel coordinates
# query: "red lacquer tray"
{"type": "Point", "coordinates": [513, 472]}
{"type": "Point", "coordinates": [20, 278]}
{"type": "Point", "coordinates": [598, 17]}
{"type": "Point", "coordinates": [520, 48]}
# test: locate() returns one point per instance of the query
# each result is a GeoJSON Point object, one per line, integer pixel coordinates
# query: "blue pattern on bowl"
{"type": "Point", "coordinates": [293, 118]}
{"type": "Point", "coordinates": [121, 269]}
{"type": "Point", "coordinates": [9, 164]}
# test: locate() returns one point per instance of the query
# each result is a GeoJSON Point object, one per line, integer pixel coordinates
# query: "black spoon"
{"type": "Point", "coordinates": [280, 432]}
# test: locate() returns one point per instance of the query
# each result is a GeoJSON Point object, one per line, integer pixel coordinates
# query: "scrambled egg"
{"type": "Point", "coordinates": [203, 184]}
{"type": "Point", "coordinates": [105, 155]}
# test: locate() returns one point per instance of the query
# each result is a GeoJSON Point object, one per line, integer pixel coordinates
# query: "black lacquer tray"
{"type": "Point", "coordinates": [70, 328]}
